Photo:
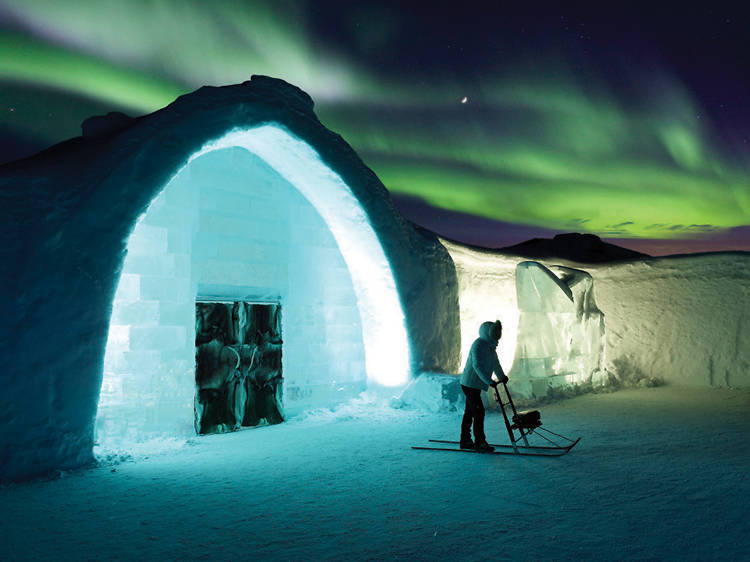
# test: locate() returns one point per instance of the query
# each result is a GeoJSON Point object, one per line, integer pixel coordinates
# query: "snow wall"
{"type": "Point", "coordinates": [68, 214]}
{"type": "Point", "coordinates": [682, 319]}
{"type": "Point", "coordinates": [553, 331]}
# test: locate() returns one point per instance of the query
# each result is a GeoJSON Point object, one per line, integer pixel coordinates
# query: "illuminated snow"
{"type": "Point", "coordinates": [384, 333]}
{"type": "Point", "coordinates": [553, 334]}
{"type": "Point", "coordinates": [651, 479]}
{"type": "Point", "coordinates": [487, 291]}
{"type": "Point", "coordinates": [254, 216]}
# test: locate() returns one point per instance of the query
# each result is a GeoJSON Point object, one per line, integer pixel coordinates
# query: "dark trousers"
{"type": "Point", "coordinates": [474, 411]}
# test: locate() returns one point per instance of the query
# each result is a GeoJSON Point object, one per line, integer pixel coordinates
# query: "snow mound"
{"type": "Point", "coordinates": [683, 320]}
{"type": "Point", "coordinates": [432, 392]}
{"type": "Point", "coordinates": [369, 405]}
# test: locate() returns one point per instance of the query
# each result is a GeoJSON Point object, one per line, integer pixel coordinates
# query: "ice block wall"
{"type": "Point", "coordinates": [227, 226]}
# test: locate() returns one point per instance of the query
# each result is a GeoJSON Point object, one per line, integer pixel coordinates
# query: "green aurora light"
{"type": "Point", "coordinates": [554, 152]}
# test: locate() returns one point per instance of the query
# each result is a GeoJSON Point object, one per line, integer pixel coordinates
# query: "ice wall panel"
{"type": "Point", "coordinates": [238, 234]}
{"type": "Point", "coordinates": [176, 313]}
{"type": "Point", "coordinates": [179, 241]}
{"type": "Point", "coordinates": [129, 288]}
{"type": "Point", "coordinates": [165, 288]}
{"type": "Point", "coordinates": [148, 240]}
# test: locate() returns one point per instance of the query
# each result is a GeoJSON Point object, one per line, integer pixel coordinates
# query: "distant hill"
{"type": "Point", "coordinates": [585, 248]}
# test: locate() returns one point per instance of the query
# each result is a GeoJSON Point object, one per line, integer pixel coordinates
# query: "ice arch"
{"type": "Point", "coordinates": [253, 216]}
{"type": "Point", "coordinates": [68, 213]}
{"type": "Point", "coordinates": [385, 340]}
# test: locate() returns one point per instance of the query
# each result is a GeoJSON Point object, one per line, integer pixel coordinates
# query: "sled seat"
{"type": "Point", "coordinates": [527, 420]}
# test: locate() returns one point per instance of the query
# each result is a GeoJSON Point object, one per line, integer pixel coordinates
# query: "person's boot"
{"type": "Point", "coordinates": [467, 443]}
{"type": "Point", "coordinates": [483, 447]}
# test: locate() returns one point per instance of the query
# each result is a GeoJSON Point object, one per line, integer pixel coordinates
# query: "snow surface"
{"type": "Point", "coordinates": [683, 319]}
{"type": "Point", "coordinates": [660, 473]}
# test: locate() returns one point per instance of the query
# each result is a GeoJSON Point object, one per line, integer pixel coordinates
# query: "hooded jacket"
{"type": "Point", "coordinates": [482, 360]}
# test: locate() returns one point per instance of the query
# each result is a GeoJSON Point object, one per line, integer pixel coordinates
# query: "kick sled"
{"type": "Point", "coordinates": [521, 426]}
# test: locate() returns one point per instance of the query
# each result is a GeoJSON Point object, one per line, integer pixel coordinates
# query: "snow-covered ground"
{"type": "Point", "coordinates": [660, 473]}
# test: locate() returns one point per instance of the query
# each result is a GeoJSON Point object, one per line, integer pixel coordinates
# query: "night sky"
{"type": "Point", "coordinates": [490, 123]}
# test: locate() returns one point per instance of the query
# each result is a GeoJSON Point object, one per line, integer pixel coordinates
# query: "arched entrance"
{"type": "Point", "coordinates": [253, 217]}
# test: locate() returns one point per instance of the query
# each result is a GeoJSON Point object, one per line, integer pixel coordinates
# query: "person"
{"type": "Point", "coordinates": [476, 378]}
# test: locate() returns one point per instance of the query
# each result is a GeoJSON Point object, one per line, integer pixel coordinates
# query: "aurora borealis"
{"type": "Point", "coordinates": [619, 124]}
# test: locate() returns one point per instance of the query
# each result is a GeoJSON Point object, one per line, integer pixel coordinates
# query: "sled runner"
{"type": "Point", "coordinates": [526, 424]}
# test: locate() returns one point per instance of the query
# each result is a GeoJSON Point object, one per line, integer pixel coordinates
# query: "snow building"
{"type": "Point", "coordinates": [231, 215]}
{"type": "Point", "coordinates": [228, 262]}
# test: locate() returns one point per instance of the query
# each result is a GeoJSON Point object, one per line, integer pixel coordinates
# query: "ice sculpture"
{"type": "Point", "coordinates": [560, 329]}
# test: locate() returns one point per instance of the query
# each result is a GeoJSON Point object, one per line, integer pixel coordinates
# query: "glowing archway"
{"type": "Point", "coordinates": [385, 338]}
{"type": "Point", "coordinates": [157, 355]}
{"type": "Point", "coordinates": [80, 225]}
